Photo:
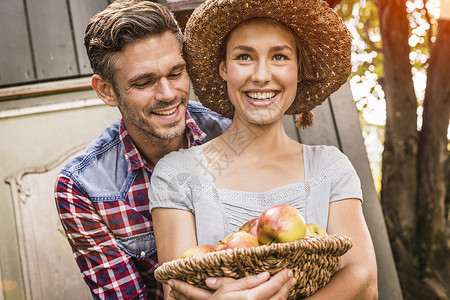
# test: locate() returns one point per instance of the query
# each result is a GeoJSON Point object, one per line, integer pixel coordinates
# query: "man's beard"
{"type": "Point", "coordinates": [166, 133]}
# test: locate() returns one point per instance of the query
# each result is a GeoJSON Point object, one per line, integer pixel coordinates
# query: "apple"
{"type": "Point", "coordinates": [240, 239]}
{"type": "Point", "coordinates": [197, 250]}
{"type": "Point", "coordinates": [313, 229]}
{"type": "Point", "coordinates": [250, 226]}
{"type": "Point", "coordinates": [281, 224]}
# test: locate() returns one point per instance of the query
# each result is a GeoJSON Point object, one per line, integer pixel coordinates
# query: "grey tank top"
{"type": "Point", "coordinates": [182, 180]}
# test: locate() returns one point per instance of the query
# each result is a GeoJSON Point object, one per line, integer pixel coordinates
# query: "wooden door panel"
{"type": "Point", "coordinates": [52, 39]}
{"type": "Point", "coordinates": [50, 271]}
{"type": "Point", "coordinates": [16, 63]}
{"type": "Point", "coordinates": [81, 12]}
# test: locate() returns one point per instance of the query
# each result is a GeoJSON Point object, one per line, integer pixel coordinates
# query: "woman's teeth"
{"type": "Point", "coordinates": [166, 112]}
{"type": "Point", "coordinates": [261, 96]}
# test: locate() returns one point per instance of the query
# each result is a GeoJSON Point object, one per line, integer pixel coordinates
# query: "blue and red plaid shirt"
{"type": "Point", "coordinates": [93, 228]}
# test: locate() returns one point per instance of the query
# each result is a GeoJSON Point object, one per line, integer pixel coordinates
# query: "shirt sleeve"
{"type": "Point", "coordinates": [170, 187]}
{"type": "Point", "coordinates": [108, 271]}
{"type": "Point", "coordinates": [346, 183]}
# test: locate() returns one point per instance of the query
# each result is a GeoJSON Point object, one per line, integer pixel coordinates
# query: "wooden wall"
{"type": "Point", "coordinates": [43, 39]}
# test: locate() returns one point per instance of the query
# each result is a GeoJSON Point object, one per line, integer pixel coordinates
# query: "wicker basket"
{"type": "Point", "coordinates": [313, 260]}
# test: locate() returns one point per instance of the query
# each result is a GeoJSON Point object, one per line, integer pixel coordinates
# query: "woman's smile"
{"type": "Point", "coordinates": [261, 98]}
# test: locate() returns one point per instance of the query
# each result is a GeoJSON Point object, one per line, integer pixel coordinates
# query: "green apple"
{"type": "Point", "coordinates": [281, 224]}
{"type": "Point", "coordinates": [313, 229]}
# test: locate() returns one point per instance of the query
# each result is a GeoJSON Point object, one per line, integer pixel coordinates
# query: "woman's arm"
{"type": "Point", "coordinates": [174, 233]}
{"type": "Point", "coordinates": [357, 276]}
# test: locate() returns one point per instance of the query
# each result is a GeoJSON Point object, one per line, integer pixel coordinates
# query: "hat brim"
{"type": "Point", "coordinates": [319, 29]}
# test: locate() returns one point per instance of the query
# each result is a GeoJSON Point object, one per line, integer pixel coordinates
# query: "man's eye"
{"type": "Point", "coordinates": [175, 75]}
{"type": "Point", "coordinates": [144, 83]}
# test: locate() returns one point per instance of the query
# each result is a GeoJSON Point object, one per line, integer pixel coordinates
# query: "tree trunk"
{"type": "Point", "coordinates": [433, 158]}
{"type": "Point", "coordinates": [399, 168]}
{"type": "Point", "coordinates": [413, 177]}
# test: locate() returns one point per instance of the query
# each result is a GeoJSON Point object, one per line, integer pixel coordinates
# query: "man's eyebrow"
{"type": "Point", "coordinates": [147, 76]}
{"type": "Point", "coordinates": [142, 76]}
{"type": "Point", "coordinates": [178, 66]}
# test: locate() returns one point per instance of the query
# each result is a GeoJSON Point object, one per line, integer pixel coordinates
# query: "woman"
{"type": "Point", "coordinates": [255, 61]}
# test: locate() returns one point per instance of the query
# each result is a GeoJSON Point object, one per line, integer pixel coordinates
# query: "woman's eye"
{"type": "Point", "coordinates": [243, 57]}
{"type": "Point", "coordinates": [279, 57]}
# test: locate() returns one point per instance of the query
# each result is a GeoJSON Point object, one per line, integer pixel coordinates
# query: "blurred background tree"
{"type": "Point", "coordinates": [401, 85]}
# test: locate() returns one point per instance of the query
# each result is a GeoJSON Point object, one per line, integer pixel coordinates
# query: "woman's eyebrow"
{"type": "Point", "coordinates": [274, 48]}
{"type": "Point", "coordinates": [244, 48]}
{"type": "Point", "coordinates": [281, 48]}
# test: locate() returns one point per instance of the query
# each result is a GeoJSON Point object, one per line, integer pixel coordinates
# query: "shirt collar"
{"type": "Point", "coordinates": [194, 133]}
{"type": "Point", "coordinates": [135, 161]}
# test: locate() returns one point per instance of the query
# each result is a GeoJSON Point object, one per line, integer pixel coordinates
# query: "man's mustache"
{"type": "Point", "coordinates": [163, 105]}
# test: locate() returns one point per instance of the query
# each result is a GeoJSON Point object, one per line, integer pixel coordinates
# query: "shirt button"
{"type": "Point", "coordinates": [143, 253]}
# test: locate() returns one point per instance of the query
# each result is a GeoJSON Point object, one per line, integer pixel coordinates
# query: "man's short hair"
{"type": "Point", "coordinates": [121, 23]}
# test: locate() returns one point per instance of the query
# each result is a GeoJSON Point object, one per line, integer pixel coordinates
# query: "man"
{"type": "Point", "coordinates": [134, 48]}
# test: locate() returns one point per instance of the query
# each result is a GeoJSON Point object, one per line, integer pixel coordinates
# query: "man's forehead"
{"type": "Point", "coordinates": [155, 54]}
{"type": "Point", "coordinates": [152, 47]}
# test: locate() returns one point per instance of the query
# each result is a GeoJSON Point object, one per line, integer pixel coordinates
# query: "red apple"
{"type": "Point", "coordinates": [250, 226]}
{"type": "Point", "coordinates": [281, 224]}
{"type": "Point", "coordinates": [197, 250]}
{"type": "Point", "coordinates": [240, 239]}
{"type": "Point", "coordinates": [313, 229]}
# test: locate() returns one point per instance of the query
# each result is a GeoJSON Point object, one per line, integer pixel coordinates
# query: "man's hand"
{"type": "Point", "coordinates": [260, 286]}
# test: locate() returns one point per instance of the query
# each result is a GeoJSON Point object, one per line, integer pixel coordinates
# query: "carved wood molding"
{"type": "Point", "coordinates": [40, 232]}
{"type": "Point", "coordinates": [23, 188]}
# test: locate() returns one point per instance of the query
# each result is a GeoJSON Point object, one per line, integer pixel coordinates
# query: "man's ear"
{"type": "Point", "coordinates": [104, 90]}
{"type": "Point", "coordinates": [223, 70]}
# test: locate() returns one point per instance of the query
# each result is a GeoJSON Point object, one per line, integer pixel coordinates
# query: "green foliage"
{"type": "Point", "coordinates": [362, 19]}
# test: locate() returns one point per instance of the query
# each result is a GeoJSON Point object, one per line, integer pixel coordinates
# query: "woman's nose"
{"type": "Point", "coordinates": [262, 72]}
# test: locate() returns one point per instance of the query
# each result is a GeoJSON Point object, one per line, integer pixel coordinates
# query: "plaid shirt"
{"type": "Point", "coordinates": [93, 229]}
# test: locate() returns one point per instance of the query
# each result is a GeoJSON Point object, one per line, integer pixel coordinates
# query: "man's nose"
{"type": "Point", "coordinates": [262, 72]}
{"type": "Point", "coordinates": [164, 90]}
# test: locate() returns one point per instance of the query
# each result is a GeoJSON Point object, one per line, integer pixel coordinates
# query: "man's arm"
{"type": "Point", "coordinates": [357, 276]}
{"type": "Point", "coordinates": [109, 272]}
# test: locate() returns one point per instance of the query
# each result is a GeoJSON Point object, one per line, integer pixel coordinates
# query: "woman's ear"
{"type": "Point", "coordinates": [104, 90]}
{"type": "Point", "coordinates": [223, 70]}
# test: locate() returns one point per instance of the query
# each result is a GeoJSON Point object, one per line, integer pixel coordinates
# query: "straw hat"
{"type": "Point", "coordinates": [319, 29]}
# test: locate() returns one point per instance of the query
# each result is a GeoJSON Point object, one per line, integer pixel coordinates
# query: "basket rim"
{"type": "Point", "coordinates": [331, 245]}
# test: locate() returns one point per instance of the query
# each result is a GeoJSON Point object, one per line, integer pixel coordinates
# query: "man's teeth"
{"type": "Point", "coordinates": [165, 112]}
{"type": "Point", "coordinates": [261, 96]}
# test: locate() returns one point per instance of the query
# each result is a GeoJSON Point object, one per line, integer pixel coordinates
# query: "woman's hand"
{"type": "Point", "coordinates": [260, 286]}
